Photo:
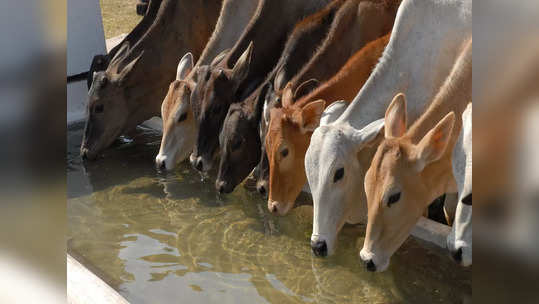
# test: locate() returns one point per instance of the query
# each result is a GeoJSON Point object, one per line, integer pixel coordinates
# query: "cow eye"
{"type": "Point", "coordinates": [104, 82]}
{"type": "Point", "coordinates": [393, 199]}
{"type": "Point", "coordinates": [284, 152]}
{"type": "Point", "coordinates": [236, 145]}
{"type": "Point", "coordinates": [338, 175]}
{"type": "Point", "coordinates": [182, 117]}
{"type": "Point", "coordinates": [99, 108]}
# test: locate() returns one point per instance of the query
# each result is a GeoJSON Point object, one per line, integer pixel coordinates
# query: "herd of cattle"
{"type": "Point", "coordinates": [366, 102]}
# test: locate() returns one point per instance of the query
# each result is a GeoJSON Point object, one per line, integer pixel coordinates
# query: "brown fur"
{"type": "Point", "coordinates": [138, 76]}
{"type": "Point", "coordinates": [357, 23]}
{"type": "Point", "coordinates": [243, 123]}
{"type": "Point", "coordinates": [244, 68]}
{"type": "Point", "coordinates": [287, 176]}
{"type": "Point", "coordinates": [417, 162]}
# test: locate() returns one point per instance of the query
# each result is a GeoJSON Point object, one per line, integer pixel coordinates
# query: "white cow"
{"type": "Point", "coordinates": [459, 241]}
{"type": "Point", "coordinates": [423, 47]}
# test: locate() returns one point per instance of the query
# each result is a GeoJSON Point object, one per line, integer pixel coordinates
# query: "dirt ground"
{"type": "Point", "coordinates": [119, 16]}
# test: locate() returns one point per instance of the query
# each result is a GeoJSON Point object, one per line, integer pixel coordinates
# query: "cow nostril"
{"type": "Point", "coordinates": [162, 166]}
{"type": "Point", "coordinates": [320, 248]}
{"type": "Point", "coordinates": [370, 265]}
{"type": "Point", "coordinates": [262, 190]}
{"type": "Point", "coordinates": [457, 255]}
{"type": "Point", "coordinates": [198, 165]}
{"type": "Point", "coordinates": [273, 209]}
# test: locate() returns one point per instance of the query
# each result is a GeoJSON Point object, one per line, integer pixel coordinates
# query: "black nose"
{"type": "Point", "coordinates": [370, 266]}
{"type": "Point", "coordinates": [199, 165]}
{"type": "Point", "coordinates": [320, 248]}
{"type": "Point", "coordinates": [457, 255]}
{"type": "Point", "coordinates": [262, 190]}
{"type": "Point", "coordinates": [161, 165]}
{"type": "Point", "coordinates": [220, 186]}
{"type": "Point", "coordinates": [273, 209]}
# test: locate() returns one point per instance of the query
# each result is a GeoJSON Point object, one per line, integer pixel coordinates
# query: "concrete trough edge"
{"type": "Point", "coordinates": [84, 287]}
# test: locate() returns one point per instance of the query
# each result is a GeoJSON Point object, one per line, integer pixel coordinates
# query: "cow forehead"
{"type": "Point", "coordinates": [385, 164]}
{"type": "Point", "coordinates": [329, 152]}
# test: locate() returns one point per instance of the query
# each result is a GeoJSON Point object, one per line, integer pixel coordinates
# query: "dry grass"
{"type": "Point", "coordinates": [119, 16]}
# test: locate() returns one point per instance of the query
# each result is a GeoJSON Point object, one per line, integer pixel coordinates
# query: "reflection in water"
{"type": "Point", "coordinates": [162, 237]}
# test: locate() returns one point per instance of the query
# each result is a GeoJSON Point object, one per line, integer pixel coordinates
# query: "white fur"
{"type": "Point", "coordinates": [330, 217]}
{"type": "Point", "coordinates": [185, 66]}
{"type": "Point", "coordinates": [461, 232]}
{"type": "Point", "coordinates": [423, 47]}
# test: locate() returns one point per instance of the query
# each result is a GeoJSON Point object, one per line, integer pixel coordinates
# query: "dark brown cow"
{"type": "Point", "coordinates": [130, 91]}
{"type": "Point", "coordinates": [244, 69]}
{"type": "Point", "coordinates": [240, 139]}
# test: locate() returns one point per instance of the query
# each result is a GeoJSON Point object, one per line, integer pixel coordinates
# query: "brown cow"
{"type": "Point", "coordinates": [413, 167]}
{"type": "Point", "coordinates": [132, 88]}
{"type": "Point", "coordinates": [242, 123]}
{"type": "Point", "coordinates": [357, 22]}
{"type": "Point", "coordinates": [180, 126]}
{"type": "Point", "coordinates": [244, 69]}
{"type": "Point", "coordinates": [101, 62]}
{"type": "Point", "coordinates": [291, 126]}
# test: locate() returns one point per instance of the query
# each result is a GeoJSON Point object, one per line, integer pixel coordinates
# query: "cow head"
{"type": "Point", "coordinates": [240, 141]}
{"type": "Point", "coordinates": [179, 124]}
{"type": "Point", "coordinates": [111, 111]}
{"type": "Point", "coordinates": [288, 137]}
{"type": "Point", "coordinates": [398, 184]}
{"type": "Point", "coordinates": [219, 93]}
{"type": "Point", "coordinates": [335, 162]}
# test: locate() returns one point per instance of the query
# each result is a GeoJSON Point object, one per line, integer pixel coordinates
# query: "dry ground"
{"type": "Point", "coordinates": [119, 16]}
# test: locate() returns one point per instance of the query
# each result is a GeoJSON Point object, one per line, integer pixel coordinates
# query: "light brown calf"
{"type": "Point", "coordinates": [412, 168]}
{"type": "Point", "coordinates": [291, 126]}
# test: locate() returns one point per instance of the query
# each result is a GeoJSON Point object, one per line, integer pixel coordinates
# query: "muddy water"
{"type": "Point", "coordinates": [169, 238]}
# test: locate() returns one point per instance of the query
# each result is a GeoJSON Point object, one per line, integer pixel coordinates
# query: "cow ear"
{"type": "Point", "coordinates": [367, 135]}
{"type": "Point", "coordinates": [287, 99]}
{"type": "Point", "coordinates": [395, 119]}
{"type": "Point", "coordinates": [306, 88]}
{"type": "Point", "coordinates": [241, 68]}
{"type": "Point", "coordinates": [185, 66]}
{"type": "Point", "coordinates": [311, 114]}
{"type": "Point", "coordinates": [129, 67]}
{"type": "Point", "coordinates": [279, 81]}
{"type": "Point", "coordinates": [219, 58]}
{"type": "Point", "coordinates": [432, 147]}
{"type": "Point", "coordinates": [333, 111]}
{"type": "Point", "coordinates": [261, 101]}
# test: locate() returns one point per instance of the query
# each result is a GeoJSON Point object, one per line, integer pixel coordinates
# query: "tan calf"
{"type": "Point", "coordinates": [291, 126]}
{"type": "Point", "coordinates": [412, 168]}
